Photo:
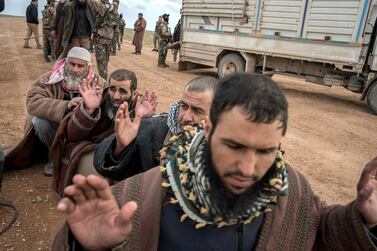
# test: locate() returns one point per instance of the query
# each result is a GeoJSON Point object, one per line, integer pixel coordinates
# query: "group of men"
{"type": "Point", "coordinates": [209, 174]}
{"type": "Point", "coordinates": [77, 23]}
{"type": "Point", "coordinates": [93, 23]}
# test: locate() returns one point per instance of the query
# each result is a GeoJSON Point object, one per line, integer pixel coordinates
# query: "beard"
{"type": "Point", "coordinates": [112, 110]}
{"type": "Point", "coordinates": [220, 196]}
{"type": "Point", "coordinates": [73, 82]}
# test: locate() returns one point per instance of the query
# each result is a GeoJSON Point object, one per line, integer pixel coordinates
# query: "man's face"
{"type": "Point", "coordinates": [140, 16]}
{"type": "Point", "coordinates": [120, 91]}
{"type": "Point", "coordinates": [242, 151]}
{"type": "Point", "coordinates": [76, 67]}
{"type": "Point", "coordinates": [194, 107]}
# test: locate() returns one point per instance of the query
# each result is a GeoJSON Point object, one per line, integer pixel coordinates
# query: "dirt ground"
{"type": "Point", "coordinates": [331, 134]}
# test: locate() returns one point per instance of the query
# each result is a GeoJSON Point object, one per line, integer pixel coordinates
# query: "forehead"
{"type": "Point", "coordinates": [77, 61]}
{"type": "Point", "coordinates": [234, 125]}
{"type": "Point", "coordinates": [125, 84]}
{"type": "Point", "coordinates": [196, 98]}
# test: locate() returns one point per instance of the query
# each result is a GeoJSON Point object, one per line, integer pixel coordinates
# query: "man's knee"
{"type": "Point", "coordinates": [45, 130]}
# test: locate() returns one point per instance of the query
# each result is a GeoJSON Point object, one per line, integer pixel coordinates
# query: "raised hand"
{"type": "Point", "coordinates": [125, 128]}
{"type": "Point", "coordinates": [93, 214]}
{"type": "Point", "coordinates": [91, 93]}
{"type": "Point", "coordinates": [366, 201]}
{"type": "Point", "coordinates": [146, 105]}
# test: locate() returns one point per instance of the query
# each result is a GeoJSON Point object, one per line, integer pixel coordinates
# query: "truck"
{"type": "Point", "coordinates": [328, 42]}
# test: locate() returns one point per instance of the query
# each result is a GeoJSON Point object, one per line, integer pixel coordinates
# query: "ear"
{"type": "Point", "coordinates": [134, 95]}
{"type": "Point", "coordinates": [207, 127]}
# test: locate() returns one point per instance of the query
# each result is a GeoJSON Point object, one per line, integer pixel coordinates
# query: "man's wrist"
{"type": "Point", "coordinates": [118, 149]}
{"type": "Point", "coordinates": [89, 110]}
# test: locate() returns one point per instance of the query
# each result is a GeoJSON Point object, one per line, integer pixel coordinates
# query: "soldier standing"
{"type": "Point", "coordinates": [103, 32]}
{"type": "Point", "coordinates": [48, 15]}
{"type": "Point", "coordinates": [121, 27]}
{"type": "Point", "coordinates": [116, 27]}
{"type": "Point", "coordinates": [165, 38]}
{"type": "Point", "coordinates": [155, 34]}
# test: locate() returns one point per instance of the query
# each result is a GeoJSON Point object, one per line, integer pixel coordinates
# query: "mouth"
{"type": "Point", "coordinates": [116, 103]}
{"type": "Point", "coordinates": [239, 184]}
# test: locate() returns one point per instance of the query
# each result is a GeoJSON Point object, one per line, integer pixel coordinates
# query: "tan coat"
{"type": "Point", "coordinates": [139, 28]}
{"type": "Point", "coordinates": [44, 101]}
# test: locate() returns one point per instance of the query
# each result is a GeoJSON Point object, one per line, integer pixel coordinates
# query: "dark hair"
{"type": "Point", "coordinates": [258, 96]}
{"type": "Point", "coordinates": [124, 74]}
{"type": "Point", "coordinates": [202, 84]}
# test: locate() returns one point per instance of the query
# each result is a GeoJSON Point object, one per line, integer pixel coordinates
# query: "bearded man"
{"type": "Point", "coordinates": [135, 146]}
{"type": "Point", "coordinates": [92, 121]}
{"type": "Point", "coordinates": [51, 97]}
{"type": "Point", "coordinates": [139, 28]}
{"type": "Point", "coordinates": [227, 187]}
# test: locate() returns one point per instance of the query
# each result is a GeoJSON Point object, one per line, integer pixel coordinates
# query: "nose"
{"type": "Point", "coordinates": [247, 164]}
{"type": "Point", "coordinates": [116, 95]}
{"type": "Point", "coordinates": [76, 69]}
{"type": "Point", "coordinates": [188, 117]}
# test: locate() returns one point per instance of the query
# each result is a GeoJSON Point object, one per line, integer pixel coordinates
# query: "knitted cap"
{"type": "Point", "coordinates": [80, 53]}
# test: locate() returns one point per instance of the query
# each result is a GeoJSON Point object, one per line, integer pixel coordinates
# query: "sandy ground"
{"type": "Point", "coordinates": [331, 134]}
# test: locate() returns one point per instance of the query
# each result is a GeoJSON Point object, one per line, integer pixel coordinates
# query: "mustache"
{"type": "Point", "coordinates": [239, 175]}
{"type": "Point", "coordinates": [117, 101]}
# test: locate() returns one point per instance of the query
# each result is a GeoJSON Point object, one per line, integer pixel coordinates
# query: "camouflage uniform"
{"type": "Point", "coordinates": [116, 36]}
{"type": "Point", "coordinates": [103, 32]}
{"type": "Point", "coordinates": [155, 34]}
{"type": "Point", "coordinates": [121, 28]}
{"type": "Point", "coordinates": [48, 16]}
{"type": "Point", "coordinates": [165, 37]}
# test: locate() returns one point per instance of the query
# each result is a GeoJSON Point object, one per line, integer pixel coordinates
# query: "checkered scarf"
{"type": "Point", "coordinates": [173, 123]}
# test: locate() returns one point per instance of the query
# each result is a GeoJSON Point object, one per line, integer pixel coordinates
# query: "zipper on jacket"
{"type": "Point", "coordinates": [240, 230]}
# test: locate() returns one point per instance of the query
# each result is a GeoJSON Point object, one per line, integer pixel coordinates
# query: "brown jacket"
{"type": "Point", "coordinates": [299, 221]}
{"type": "Point", "coordinates": [78, 133]}
{"type": "Point", "coordinates": [139, 28]}
{"type": "Point", "coordinates": [44, 101]}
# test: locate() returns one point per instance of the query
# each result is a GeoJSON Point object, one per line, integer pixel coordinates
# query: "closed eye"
{"type": "Point", "coordinates": [267, 150]}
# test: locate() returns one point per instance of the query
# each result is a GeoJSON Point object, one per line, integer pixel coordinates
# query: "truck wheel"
{"type": "Point", "coordinates": [372, 98]}
{"type": "Point", "coordinates": [230, 63]}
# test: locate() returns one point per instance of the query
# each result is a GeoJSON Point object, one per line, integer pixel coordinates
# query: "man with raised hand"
{"type": "Point", "coordinates": [135, 147]}
{"type": "Point", "coordinates": [227, 187]}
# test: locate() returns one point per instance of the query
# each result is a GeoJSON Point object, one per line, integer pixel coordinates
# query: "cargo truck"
{"type": "Point", "coordinates": [329, 42]}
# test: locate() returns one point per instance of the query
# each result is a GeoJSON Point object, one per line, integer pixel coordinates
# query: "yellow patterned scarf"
{"type": "Point", "coordinates": [184, 172]}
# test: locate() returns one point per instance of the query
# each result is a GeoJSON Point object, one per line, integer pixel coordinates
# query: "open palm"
{"type": "Point", "coordinates": [146, 105]}
{"type": "Point", "coordinates": [91, 93]}
{"type": "Point", "coordinates": [93, 214]}
{"type": "Point", "coordinates": [126, 129]}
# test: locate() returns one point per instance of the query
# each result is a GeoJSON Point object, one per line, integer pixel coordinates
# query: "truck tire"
{"type": "Point", "coordinates": [372, 98]}
{"type": "Point", "coordinates": [230, 63]}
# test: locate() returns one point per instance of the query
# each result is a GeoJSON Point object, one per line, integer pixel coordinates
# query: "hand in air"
{"type": "Point", "coordinates": [126, 129]}
{"type": "Point", "coordinates": [93, 214]}
{"type": "Point", "coordinates": [91, 93]}
{"type": "Point", "coordinates": [146, 105]}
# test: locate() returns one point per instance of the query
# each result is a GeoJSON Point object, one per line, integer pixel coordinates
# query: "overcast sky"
{"type": "Point", "coordinates": [130, 8]}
